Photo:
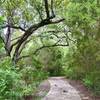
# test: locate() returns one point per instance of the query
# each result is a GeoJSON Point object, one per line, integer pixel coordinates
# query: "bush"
{"type": "Point", "coordinates": [10, 81]}
{"type": "Point", "coordinates": [9, 85]}
{"type": "Point", "coordinates": [92, 80]}
{"type": "Point", "coordinates": [84, 63]}
{"type": "Point", "coordinates": [15, 84]}
{"type": "Point", "coordinates": [31, 75]}
{"type": "Point", "coordinates": [32, 78]}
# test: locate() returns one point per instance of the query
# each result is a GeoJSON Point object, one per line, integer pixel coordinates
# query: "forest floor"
{"type": "Point", "coordinates": [60, 88]}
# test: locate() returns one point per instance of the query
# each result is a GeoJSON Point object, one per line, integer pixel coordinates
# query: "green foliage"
{"type": "Point", "coordinates": [16, 83]}
{"type": "Point", "coordinates": [1, 43]}
{"type": "Point", "coordinates": [83, 58]}
{"type": "Point", "coordinates": [84, 63]}
{"type": "Point", "coordinates": [51, 61]}
{"type": "Point", "coordinates": [10, 85]}
{"type": "Point", "coordinates": [6, 63]}
{"type": "Point", "coordinates": [1, 20]}
{"type": "Point", "coordinates": [92, 80]}
{"type": "Point", "coordinates": [1, 23]}
{"type": "Point", "coordinates": [30, 74]}
{"type": "Point", "coordinates": [47, 59]}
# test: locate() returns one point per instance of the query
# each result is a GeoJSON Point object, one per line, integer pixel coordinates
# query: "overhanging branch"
{"type": "Point", "coordinates": [33, 28]}
{"type": "Point", "coordinates": [28, 33]}
{"type": "Point", "coordinates": [48, 46]}
{"type": "Point", "coordinates": [14, 27]}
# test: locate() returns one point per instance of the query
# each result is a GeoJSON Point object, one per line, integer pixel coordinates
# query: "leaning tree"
{"type": "Point", "coordinates": [26, 16]}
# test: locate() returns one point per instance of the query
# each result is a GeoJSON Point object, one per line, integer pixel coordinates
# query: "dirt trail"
{"type": "Point", "coordinates": [61, 90]}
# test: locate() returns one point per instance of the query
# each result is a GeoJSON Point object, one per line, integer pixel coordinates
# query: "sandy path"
{"type": "Point", "coordinates": [61, 90]}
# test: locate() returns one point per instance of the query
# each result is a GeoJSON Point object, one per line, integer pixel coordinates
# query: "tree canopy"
{"type": "Point", "coordinates": [26, 16]}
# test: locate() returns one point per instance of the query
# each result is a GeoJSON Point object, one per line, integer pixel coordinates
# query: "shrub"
{"type": "Point", "coordinates": [84, 63]}
{"type": "Point", "coordinates": [15, 83]}
{"type": "Point", "coordinates": [9, 85]}
{"type": "Point", "coordinates": [92, 80]}
{"type": "Point", "coordinates": [31, 75]}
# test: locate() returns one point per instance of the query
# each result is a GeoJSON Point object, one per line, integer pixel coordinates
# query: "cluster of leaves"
{"type": "Point", "coordinates": [83, 59]}
{"type": "Point", "coordinates": [1, 36]}
{"type": "Point", "coordinates": [10, 87]}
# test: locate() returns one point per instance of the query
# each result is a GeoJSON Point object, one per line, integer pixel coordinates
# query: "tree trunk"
{"type": "Point", "coordinates": [8, 37]}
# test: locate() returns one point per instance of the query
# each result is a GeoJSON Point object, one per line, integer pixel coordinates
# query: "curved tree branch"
{"type": "Point", "coordinates": [14, 27]}
{"type": "Point", "coordinates": [28, 33]}
{"type": "Point", "coordinates": [47, 46]}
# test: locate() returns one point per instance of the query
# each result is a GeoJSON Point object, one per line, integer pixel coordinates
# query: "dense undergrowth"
{"type": "Point", "coordinates": [18, 83]}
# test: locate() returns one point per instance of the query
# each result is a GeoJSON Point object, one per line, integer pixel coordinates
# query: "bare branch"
{"type": "Point", "coordinates": [15, 27]}
{"type": "Point", "coordinates": [39, 12]}
{"type": "Point", "coordinates": [52, 10]}
{"type": "Point", "coordinates": [50, 46]}
{"type": "Point", "coordinates": [16, 38]}
{"type": "Point", "coordinates": [23, 46]}
{"type": "Point", "coordinates": [57, 21]}
{"type": "Point", "coordinates": [37, 50]}
{"type": "Point", "coordinates": [47, 8]}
